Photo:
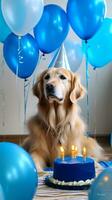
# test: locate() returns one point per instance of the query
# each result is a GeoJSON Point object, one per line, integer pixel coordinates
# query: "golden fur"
{"type": "Point", "coordinates": [58, 122]}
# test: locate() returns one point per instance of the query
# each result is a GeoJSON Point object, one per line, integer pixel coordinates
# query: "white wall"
{"type": "Point", "coordinates": [100, 93]}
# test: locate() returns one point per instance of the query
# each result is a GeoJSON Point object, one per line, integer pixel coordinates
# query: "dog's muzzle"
{"type": "Point", "coordinates": [51, 93]}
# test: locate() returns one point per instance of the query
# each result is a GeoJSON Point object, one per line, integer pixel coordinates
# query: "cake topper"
{"type": "Point", "coordinates": [60, 59]}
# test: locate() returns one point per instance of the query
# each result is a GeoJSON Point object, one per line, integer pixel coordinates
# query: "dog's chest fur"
{"type": "Point", "coordinates": [60, 127]}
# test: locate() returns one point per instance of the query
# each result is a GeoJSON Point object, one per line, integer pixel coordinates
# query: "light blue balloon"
{"type": "Point", "coordinates": [18, 175]}
{"type": "Point", "coordinates": [4, 29]}
{"type": "Point", "coordinates": [22, 15]}
{"type": "Point", "coordinates": [85, 16]}
{"type": "Point", "coordinates": [99, 48]}
{"type": "Point", "coordinates": [101, 188]}
{"type": "Point", "coordinates": [52, 29]}
{"type": "Point", "coordinates": [21, 55]}
{"type": "Point", "coordinates": [74, 54]}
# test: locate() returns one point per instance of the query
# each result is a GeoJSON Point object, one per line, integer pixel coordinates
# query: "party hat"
{"type": "Point", "coordinates": [60, 59]}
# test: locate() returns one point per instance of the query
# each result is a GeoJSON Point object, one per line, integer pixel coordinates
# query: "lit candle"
{"type": "Point", "coordinates": [62, 152]}
{"type": "Point", "coordinates": [74, 151]}
{"type": "Point", "coordinates": [84, 152]}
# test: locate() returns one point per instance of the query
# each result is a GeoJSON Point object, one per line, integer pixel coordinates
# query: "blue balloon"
{"type": "Point", "coordinates": [101, 188]}
{"type": "Point", "coordinates": [4, 29]}
{"type": "Point", "coordinates": [18, 175]}
{"type": "Point", "coordinates": [85, 16]}
{"type": "Point", "coordinates": [74, 54]}
{"type": "Point", "coordinates": [21, 55]}
{"type": "Point", "coordinates": [52, 29]}
{"type": "Point", "coordinates": [99, 48]}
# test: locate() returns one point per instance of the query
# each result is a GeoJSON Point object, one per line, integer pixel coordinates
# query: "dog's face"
{"type": "Point", "coordinates": [57, 84]}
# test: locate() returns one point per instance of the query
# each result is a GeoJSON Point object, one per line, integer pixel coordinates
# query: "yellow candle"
{"type": "Point", "coordinates": [62, 152]}
{"type": "Point", "coordinates": [74, 151]}
{"type": "Point", "coordinates": [84, 152]}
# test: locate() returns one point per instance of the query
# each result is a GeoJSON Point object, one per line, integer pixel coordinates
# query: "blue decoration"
{"type": "Point", "coordinates": [18, 175]}
{"type": "Point", "coordinates": [21, 16]}
{"type": "Point", "coordinates": [21, 54]}
{"type": "Point", "coordinates": [52, 29]}
{"type": "Point", "coordinates": [4, 29]}
{"type": "Point", "coordinates": [85, 16]}
{"type": "Point", "coordinates": [74, 54]}
{"type": "Point", "coordinates": [60, 59]}
{"type": "Point", "coordinates": [101, 188]}
{"type": "Point", "coordinates": [106, 164]}
{"type": "Point", "coordinates": [100, 46]}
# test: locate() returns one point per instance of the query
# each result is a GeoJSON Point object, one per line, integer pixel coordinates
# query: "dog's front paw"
{"type": "Point", "coordinates": [39, 162]}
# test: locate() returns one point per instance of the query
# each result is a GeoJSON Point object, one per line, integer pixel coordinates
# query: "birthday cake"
{"type": "Point", "coordinates": [73, 172]}
{"type": "Point", "coordinates": [74, 169]}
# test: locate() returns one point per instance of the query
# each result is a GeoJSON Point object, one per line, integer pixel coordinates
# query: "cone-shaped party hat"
{"type": "Point", "coordinates": [60, 59]}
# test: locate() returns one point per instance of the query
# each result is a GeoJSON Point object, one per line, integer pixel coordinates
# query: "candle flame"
{"type": "Point", "coordinates": [62, 152]}
{"type": "Point", "coordinates": [61, 149]}
{"type": "Point", "coordinates": [73, 147]}
{"type": "Point", "coordinates": [84, 151]}
{"type": "Point", "coordinates": [74, 151]}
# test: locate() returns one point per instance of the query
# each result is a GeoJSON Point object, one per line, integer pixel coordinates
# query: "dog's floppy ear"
{"type": "Point", "coordinates": [38, 86]}
{"type": "Point", "coordinates": [78, 91]}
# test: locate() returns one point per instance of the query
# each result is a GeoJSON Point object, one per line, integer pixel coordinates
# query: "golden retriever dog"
{"type": "Point", "coordinates": [58, 120]}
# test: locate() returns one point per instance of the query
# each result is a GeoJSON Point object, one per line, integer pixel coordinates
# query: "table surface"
{"type": "Point", "coordinates": [46, 193]}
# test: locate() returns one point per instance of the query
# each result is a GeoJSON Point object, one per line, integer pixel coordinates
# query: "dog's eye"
{"type": "Point", "coordinates": [47, 77]}
{"type": "Point", "coordinates": [62, 77]}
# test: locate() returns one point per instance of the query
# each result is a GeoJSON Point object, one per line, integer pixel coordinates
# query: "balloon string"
{"type": "Point", "coordinates": [35, 72]}
{"type": "Point", "coordinates": [95, 104]}
{"type": "Point", "coordinates": [17, 68]}
{"type": "Point", "coordinates": [87, 84]}
{"type": "Point", "coordinates": [2, 94]}
{"type": "Point", "coordinates": [17, 73]}
{"type": "Point", "coordinates": [27, 83]}
{"type": "Point", "coordinates": [20, 57]}
{"type": "Point", "coordinates": [26, 92]}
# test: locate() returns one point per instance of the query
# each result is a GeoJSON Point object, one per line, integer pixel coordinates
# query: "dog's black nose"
{"type": "Point", "coordinates": [50, 88]}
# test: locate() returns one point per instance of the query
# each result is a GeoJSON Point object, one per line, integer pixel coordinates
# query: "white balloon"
{"type": "Point", "coordinates": [22, 15]}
